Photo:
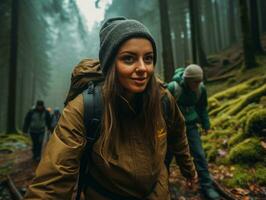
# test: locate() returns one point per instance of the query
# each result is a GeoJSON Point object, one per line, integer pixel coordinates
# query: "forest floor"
{"type": "Point", "coordinates": [179, 190]}
{"type": "Point", "coordinates": [22, 171]}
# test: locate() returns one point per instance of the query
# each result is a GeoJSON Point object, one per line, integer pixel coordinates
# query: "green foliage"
{"type": "Point", "coordinates": [256, 123]}
{"type": "Point", "coordinates": [249, 151]}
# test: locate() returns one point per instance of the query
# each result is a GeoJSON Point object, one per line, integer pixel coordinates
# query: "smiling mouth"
{"type": "Point", "coordinates": [139, 80]}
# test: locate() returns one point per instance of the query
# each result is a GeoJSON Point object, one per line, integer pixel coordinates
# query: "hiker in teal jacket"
{"type": "Point", "coordinates": [191, 96]}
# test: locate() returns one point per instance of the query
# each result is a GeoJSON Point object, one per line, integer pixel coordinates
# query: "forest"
{"type": "Point", "coordinates": [42, 41]}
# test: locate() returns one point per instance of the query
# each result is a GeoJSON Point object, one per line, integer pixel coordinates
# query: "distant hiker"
{"type": "Point", "coordinates": [124, 156]}
{"type": "Point", "coordinates": [54, 118]}
{"type": "Point", "coordinates": [35, 123]}
{"type": "Point", "coordinates": [191, 97]}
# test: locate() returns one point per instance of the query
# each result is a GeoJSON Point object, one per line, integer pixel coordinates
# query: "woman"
{"type": "Point", "coordinates": [128, 158]}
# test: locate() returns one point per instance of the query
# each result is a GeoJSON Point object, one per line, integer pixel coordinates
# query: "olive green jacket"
{"type": "Point", "coordinates": [133, 167]}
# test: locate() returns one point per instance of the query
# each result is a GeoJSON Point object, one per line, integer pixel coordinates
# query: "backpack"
{"type": "Point", "coordinates": [175, 85]}
{"type": "Point", "coordinates": [87, 71]}
{"type": "Point", "coordinates": [86, 79]}
{"type": "Point", "coordinates": [37, 123]}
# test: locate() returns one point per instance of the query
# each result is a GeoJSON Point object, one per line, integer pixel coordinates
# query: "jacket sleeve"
{"type": "Point", "coordinates": [177, 141]}
{"type": "Point", "coordinates": [202, 111]}
{"type": "Point", "coordinates": [57, 173]}
{"type": "Point", "coordinates": [27, 122]}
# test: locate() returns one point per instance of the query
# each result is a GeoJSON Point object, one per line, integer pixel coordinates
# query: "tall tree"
{"type": "Point", "coordinates": [193, 30]}
{"type": "Point", "coordinates": [199, 55]}
{"type": "Point", "coordinates": [11, 119]}
{"type": "Point", "coordinates": [254, 23]}
{"type": "Point", "coordinates": [231, 24]}
{"type": "Point", "coordinates": [168, 60]}
{"type": "Point", "coordinates": [249, 57]}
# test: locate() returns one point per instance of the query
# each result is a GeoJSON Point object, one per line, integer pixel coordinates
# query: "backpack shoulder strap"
{"type": "Point", "coordinates": [92, 121]}
{"type": "Point", "coordinates": [92, 110]}
{"type": "Point", "coordinates": [175, 89]}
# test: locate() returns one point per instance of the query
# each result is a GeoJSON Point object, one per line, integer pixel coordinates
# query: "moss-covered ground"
{"type": "Point", "coordinates": [237, 108]}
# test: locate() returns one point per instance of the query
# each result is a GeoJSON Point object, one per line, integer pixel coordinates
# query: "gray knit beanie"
{"type": "Point", "coordinates": [114, 32]}
{"type": "Point", "coordinates": [193, 72]}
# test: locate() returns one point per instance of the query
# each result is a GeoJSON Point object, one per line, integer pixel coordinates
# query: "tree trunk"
{"type": "Point", "coordinates": [11, 113]}
{"type": "Point", "coordinates": [254, 23]}
{"type": "Point", "coordinates": [195, 20]}
{"type": "Point", "coordinates": [168, 60]}
{"type": "Point", "coordinates": [249, 57]}
{"type": "Point", "coordinates": [231, 22]}
{"type": "Point", "coordinates": [262, 15]}
{"type": "Point", "coordinates": [193, 31]}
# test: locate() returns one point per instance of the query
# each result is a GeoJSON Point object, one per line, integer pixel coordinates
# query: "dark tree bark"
{"type": "Point", "coordinates": [249, 57]}
{"type": "Point", "coordinates": [217, 30]}
{"type": "Point", "coordinates": [254, 23]}
{"type": "Point", "coordinates": [262, 6]}
{"type": "Point", "coordinates": [168, 60]}
{"type": "Point", "coordinates": [193, 31]}
{"type": "Point", "coordinates": [198, 52]}
{"type": "Point", "coordinates": [11, 115]}
{"type": "Point", "coordinates": [231, 24]}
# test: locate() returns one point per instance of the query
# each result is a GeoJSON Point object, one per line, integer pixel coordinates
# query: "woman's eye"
{"type": "Point", "coordinates": [128, 59]}
{"type": "Point", "coordinates": [148, 59]}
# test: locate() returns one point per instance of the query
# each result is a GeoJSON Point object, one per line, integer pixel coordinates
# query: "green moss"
{"type": "Point", "coordinates": [247, 109]}
{"type": "Point", "coordinates": [256, 123]}
{"type": "Point", "coordinates": [263, 101]}
{"type": "Point", "coordinates": [244, 100]}
{"type": "Point", "coordinates": [249, 151]}
{"type": "Point", "coordinates": [213, 103]}
{"type": "Point", "coordinates": [212, 154]}
{"type": "Point", "coordinates": [237, 138]}
{"type": "Point", "coordinates": [260, 174]}
{"type": "Point", "coordinates": [5, 168]}
{"type": "Point", "coordinates": [232, 92]}
{"type": "Point", "coordinates": [207, 146]}
{"type": "Point", "coordinates": [11, 142]}
{"type": "Point", "coordinates": [241, 178]}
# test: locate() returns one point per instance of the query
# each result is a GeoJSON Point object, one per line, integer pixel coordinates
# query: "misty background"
{"type": "Point", "coordinates": [54, 35]}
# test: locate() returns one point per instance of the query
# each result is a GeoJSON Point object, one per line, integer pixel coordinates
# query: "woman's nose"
{"type": "Point", "coordinates": [141, 65]}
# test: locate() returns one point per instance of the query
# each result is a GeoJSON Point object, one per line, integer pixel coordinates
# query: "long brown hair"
{"type": "Point", "coordinates": [151, 112]}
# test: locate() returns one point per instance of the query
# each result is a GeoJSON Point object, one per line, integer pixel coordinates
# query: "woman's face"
{"type": "Point", "coordinates": [134, 64]}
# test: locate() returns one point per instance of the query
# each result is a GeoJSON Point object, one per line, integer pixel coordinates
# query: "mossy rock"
{"type": "Point", "coordinates": [249, 151]}
{"type": "Point", "coordinates": [256, 124]}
